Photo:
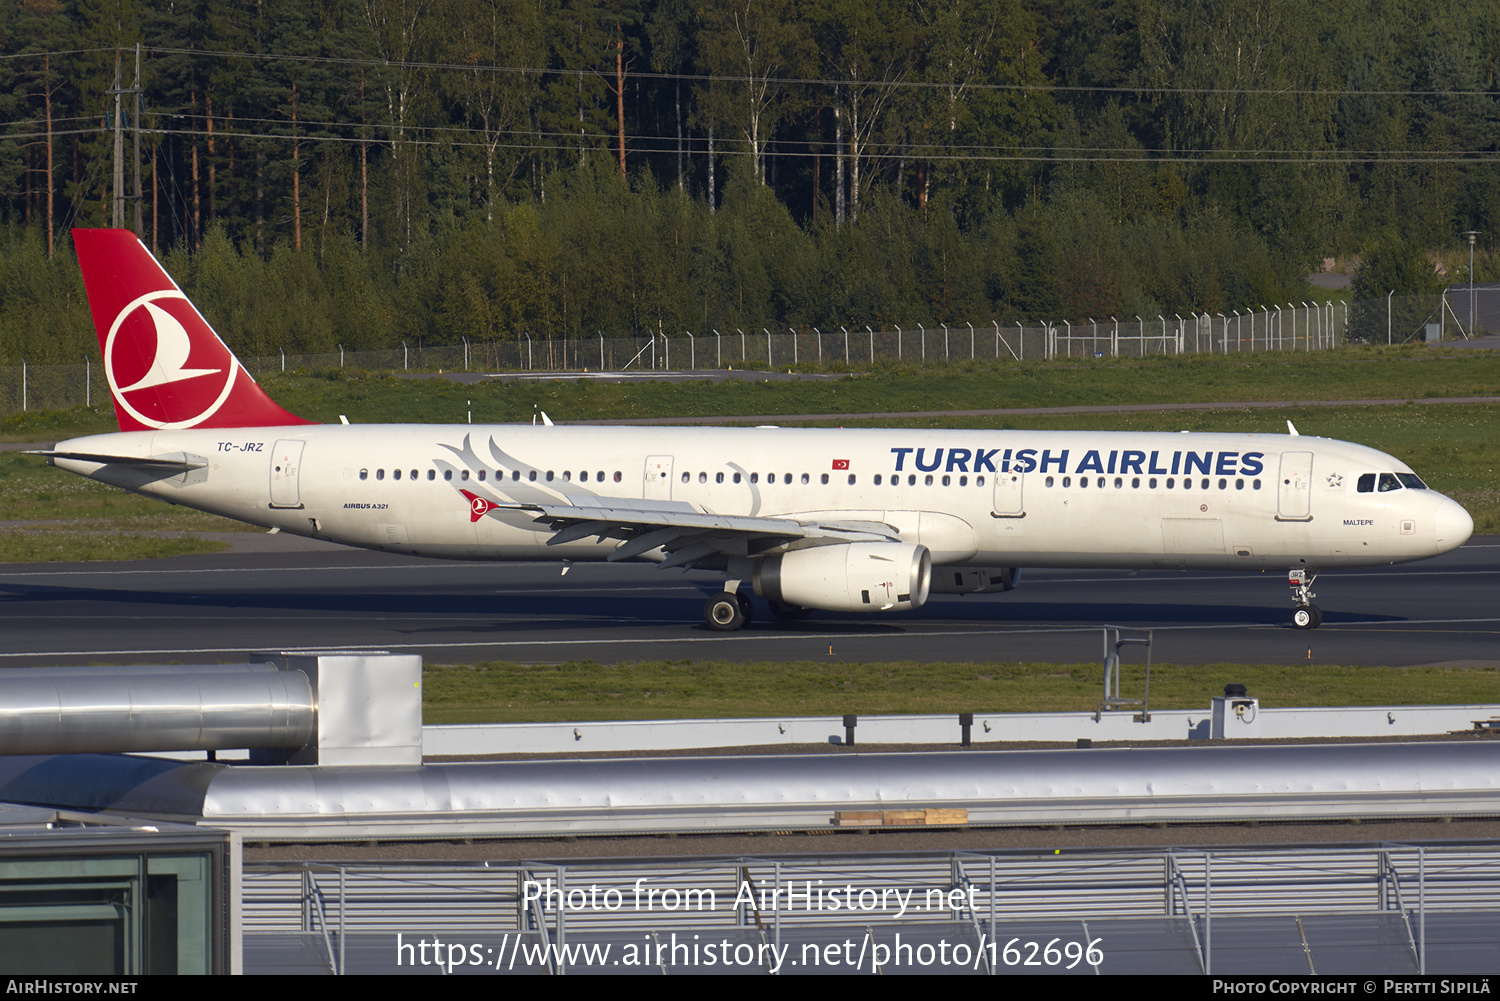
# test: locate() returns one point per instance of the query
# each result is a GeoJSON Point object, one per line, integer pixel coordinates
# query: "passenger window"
{"type": "Point", "coordinates": [736, 477]}
{"type": "Point", "coordinates": [531, 476]}
{"type": "Point", "coordinates": [447, 474]}
{"type": "Point", "coordinates": [1223, 484]}
{"type": "Point", "coordinates": [702, 477]}
{"type": "Point", "coordinates": [805, 479]}
{"type": "Point", "coordinates": [583, 477]}
{"type": "Point", "coordinates": [599, 476]}
{"type": "Point", "coordinates": [754, 477]}
{"type": "Point", "coordinates": [464, 475]}
{"type": "Point", "coordinates": [1100, 483]}
{"type": "Point", "coordinates": [718, 477]}
{"type": "Point", "coordinates": [947, 480]}
{"type": "Point", "coordinates": [1135, 483]}
{"type": "Point", "coordinates": [787, 479]}
{"type": "Point", "coordinates": [413, 474]}
{"type": "Point", "coordinates": [963, 481]}
{"type": "Point", "coordinates": [1205, 483]}
{"type": "Point", "coordinates": [395, 474]}
{"type": "Point", "coordinates": [928, 479]}
{"type": "Point", "coordinates": [911, 480]}
{"type": "Point", "coordinates": [1170, 483]}
{"type": "Point", "coordinates": [380, 474]}
{"type": "Point", "coordinates": [1067, 481]}
{"type": "Point", "coordinates": [1239, 484]}
{"type": "Point", "coordinates": [617, 476]}
{"type": "Point", "coordinates": [1049, 481]}
{"type": "Point", "coordinates": [1152, 484]}
{"type": "Point", "coordinates": [877, 479]}
{"type": "Point", "coordinates": [825, 478]}
{"type": "Point", "coordinates": [979, 481]}
{"type": "Point", "coordinates": [851, 479]}
{"type": "Point", "coordinates": [686, 477]}
{"type": "Point", "coordinates": [1083, 481]}
{"type": "Point", "coordinates": [568, 475]}
{"type": "Point", "coordinates": [549, 476]}
{"type": "Point", "coordinates": [364, 474]}
{"type": "Point", "coordinates": [481, 476]}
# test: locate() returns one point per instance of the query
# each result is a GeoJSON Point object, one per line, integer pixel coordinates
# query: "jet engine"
{"type": "Point", "coordinates": [854, 577]}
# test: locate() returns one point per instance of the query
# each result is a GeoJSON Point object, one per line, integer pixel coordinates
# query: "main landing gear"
{"type": "Point", "coordinates": [727, 611]}
{"type": "Point", "coordinates": [1305, 615]}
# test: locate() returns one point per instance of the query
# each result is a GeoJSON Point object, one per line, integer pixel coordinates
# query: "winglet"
{"type": "Point", "coordinates": [166, 367]}
{"type": "Point", "coordinates": [1292, 430]}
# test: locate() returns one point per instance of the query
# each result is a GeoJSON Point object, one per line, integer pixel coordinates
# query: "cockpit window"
{"type": "Point", "coordinates": [1411, 481]}
{"type": "Point", "coordinates": [1367, 483]}
{"type": "Point", "coordinates": [1388, 482]}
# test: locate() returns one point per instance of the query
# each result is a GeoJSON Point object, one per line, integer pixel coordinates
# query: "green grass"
{"type": "Point", "coordinates": [1350, 373]}
{"type": "Point", "coordinates": [584, 690]}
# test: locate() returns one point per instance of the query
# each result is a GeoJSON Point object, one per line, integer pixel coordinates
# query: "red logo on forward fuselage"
{"type": "Point", "coordinates": [164, 363]}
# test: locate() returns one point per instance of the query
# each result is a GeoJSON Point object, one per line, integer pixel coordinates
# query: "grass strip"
{"type": "Point", "coordinates": [580, 691]}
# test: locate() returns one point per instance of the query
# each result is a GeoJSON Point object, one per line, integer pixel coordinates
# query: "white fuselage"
{"type": "Point", "coordinates": [976, 498]}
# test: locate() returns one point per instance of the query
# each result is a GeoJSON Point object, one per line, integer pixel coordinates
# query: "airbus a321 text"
{"type": "Point", "coordinates": [837, 520]}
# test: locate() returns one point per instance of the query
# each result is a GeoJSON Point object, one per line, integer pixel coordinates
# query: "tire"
{"type": "Point", "coordinates": [1307, 617]}
{"type": "Point", "coordinates": [722, 613]}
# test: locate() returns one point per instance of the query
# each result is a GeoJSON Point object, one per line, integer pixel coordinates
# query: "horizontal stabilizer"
{"type": "Point", "coordinates": [179, 461]}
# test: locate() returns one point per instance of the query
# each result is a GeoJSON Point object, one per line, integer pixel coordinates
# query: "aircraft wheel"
{"type": "Point", "coordinates": [723, 612]}
{"type": "Point", "coordinates": [747, 607]}
{"type": "Point", "coordinates": [787, 612]}
{"type": "Point", "coordinates": [1307, 617]}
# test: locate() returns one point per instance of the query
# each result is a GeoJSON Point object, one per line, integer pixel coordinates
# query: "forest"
{"type": "Point", "coordinates": [363, 172]}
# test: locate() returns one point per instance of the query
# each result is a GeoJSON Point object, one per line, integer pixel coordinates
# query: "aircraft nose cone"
{"type": "Point", "coordinates": [1453, 525]}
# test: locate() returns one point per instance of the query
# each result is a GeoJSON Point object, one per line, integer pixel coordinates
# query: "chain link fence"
{"type": "Point", "coordinates": [1293, 327]}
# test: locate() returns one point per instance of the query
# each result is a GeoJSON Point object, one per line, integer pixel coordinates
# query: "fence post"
{"type": "Point", "coordinates": [820, 344]}
{"type": "Point", "coordinates": [768, 344]}
{"type": "Point", "coordinates": [846, 345]}
{"type": "Point", "coordinates": [924, 343]}
{"type": "Point", "coordinates": [872, 343]}
{"type": "Point", "coordinates": [692, 350]}
{"type": "Point", "coordinates": [88, 380]}
{"type": "Point", "coordinates": [971, 339]}
{"type": "Point", "coordinates": [718, 349]}
{"type": "Point", "coordinates": [793, 332]}
{"type": "Point", "coordinates": [898, 340]}
{"type": "Point", "coordinates": [23, 385]}
{"type": "Point", "coordinates": [405, 357]}
{"type": "Point", "coordinates": [341, 356]}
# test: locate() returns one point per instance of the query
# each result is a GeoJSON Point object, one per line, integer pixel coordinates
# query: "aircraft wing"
{"type": "Point", "coordinates": [684, 532]}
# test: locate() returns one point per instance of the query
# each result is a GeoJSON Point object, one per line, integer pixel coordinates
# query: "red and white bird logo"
{"type": "Point", "coordinates": [478, 506]}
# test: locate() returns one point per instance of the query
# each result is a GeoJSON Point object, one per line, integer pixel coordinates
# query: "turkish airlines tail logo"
{"type": "Point", "coordinates": [166, 367]}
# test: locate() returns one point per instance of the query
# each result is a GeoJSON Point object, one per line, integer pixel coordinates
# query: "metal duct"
{"type": "Point", "coordinates": [202, 707]}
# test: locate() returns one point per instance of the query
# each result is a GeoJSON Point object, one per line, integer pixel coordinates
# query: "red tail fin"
{"type": "Point", "coordinates": [166, 366]}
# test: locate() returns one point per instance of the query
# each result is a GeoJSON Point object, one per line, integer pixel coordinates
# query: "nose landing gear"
{"type": "Point", "coordinates": [1305, 615]}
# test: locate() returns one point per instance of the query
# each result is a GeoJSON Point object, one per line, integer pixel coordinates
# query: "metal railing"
{"type": "Point", "coordinates": [983, 898]}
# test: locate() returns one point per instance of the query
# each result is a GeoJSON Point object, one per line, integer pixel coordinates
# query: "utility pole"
{"type": "Point", "coordinates": [118, 217]}
{"type": "Point", "coordinates": [135, 124]}
{"type": "Point", "coordinates": [119, 92]}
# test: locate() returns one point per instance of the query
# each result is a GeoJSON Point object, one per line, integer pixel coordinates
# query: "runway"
{"type": "Point", "coordinates": [217, 607]}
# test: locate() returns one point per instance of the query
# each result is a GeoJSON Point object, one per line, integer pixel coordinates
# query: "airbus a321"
{"type": "Point", "coordinates": [833, 520]}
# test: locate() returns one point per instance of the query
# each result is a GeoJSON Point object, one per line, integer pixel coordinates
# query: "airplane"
{"type": "Point", "coordinates": [839, 520]}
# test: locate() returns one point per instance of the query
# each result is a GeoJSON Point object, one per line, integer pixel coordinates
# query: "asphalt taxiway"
{"type": "Point", "coordinates": [216, 607]}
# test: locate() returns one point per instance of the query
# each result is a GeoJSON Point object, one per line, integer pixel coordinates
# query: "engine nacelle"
{"type": "Point", "coordinates": [975, 580]}
{"type": "Point", "coordinates": [855, 577]}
